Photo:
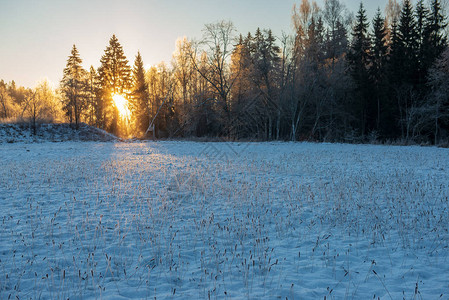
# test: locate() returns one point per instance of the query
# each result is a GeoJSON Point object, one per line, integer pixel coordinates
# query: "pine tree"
{"type": "Point", "coordinates": [358, 59]}
{"type": "Point", "coordinates": [140, 97]}
{"type": "Point", "coordinates": [73, 87]}
{"type": "Point", "coordinates": [115, 78]}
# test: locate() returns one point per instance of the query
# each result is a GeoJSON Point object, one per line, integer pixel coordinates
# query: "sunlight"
{"type": "Point", "coordinates": [122, 105]}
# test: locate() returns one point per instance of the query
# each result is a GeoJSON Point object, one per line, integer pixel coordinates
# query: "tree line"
{"type": "Point", "coordinates": [337, 77]}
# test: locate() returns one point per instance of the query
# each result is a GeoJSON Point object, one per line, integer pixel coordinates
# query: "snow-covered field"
{"type": "Point", "coordinates": [84, 220]}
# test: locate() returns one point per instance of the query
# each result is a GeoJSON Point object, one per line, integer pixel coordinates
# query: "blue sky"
{"type": "Point", "coordinates": [36, 36]}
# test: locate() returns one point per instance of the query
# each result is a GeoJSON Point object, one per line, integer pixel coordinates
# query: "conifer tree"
{"type": "Point", "coordinates": [93, 104]}
{"type": "Point", "coordinates": [315, 41]}
{"type": "Point", "coordinates": [73, 87]}
{"type": "Point", "coordinates": [115, 78]}
{"type": "Point", "coordinates": [359, 58]}
{"type": "Point", "coordinates": [395, 78]}
{"type": "Point", "coordinates": [378, 59]}
{"type": "Point", "coordinates": [265, 59]}
{"type": "Point", "coordinates": [140, 97]}
{"type": "Point", "coordinates": [434, 37]}
{"type": "Point", "coordinates": [408, 44]}
{"type": "Point", "coordinates": [422, 14]}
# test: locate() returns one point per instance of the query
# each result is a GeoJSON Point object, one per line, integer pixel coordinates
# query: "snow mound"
{"type": "Point", "coordinates": [24, 133]}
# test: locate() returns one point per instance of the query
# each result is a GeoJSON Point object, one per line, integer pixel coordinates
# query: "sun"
{"type": "Point", "coordinates": [122, 105]}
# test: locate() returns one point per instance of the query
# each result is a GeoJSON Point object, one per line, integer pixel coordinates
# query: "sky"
{"type": "Point", "coordinates": [36, 36]}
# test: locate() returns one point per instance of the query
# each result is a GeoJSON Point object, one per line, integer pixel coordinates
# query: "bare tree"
{"type": "Point", "coordinates": [438, 102]}
{"type": "Point", "coordinates": [217, 46]}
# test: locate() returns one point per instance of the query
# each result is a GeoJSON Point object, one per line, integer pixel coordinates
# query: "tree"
{"type": "Point", "coordinates": [162, 108]}
{"type": "Point", "coordinates": [408, 44]}
{"type": "Point", "coordinates": [242, 93]}
{"type": "Point", "coordinates": [49, 105]}
{"type": "Point", "coordinates": [217, 46]}
{"type": "Point", "coordinates": [438, 104]}
{"type": "Point", "coordinates": [304, 73]}
{"type": "Point", "coordinates": [93, 107]}
{"type": "Point", "coordinates": [41, 105]}
{"type": "Point", "coordinates": [378, 60]}
{"type": "Point", "coordinates": [115, 79]}
{"type": "Point", "coordinates": [336, 19]}
{"type": "Point", "coordinates": [185, 80]}
{"type": "Point", "coordinates": [8, 108]}
{"type": "Point", "coordinates": [359, 60]}
{"type": "Point", "coordinates": [265, 60]}
{"type": "Point", "coordinates": [392, 12]}
{"type": "Point", "coordinates": [302, 19]}
{"type": "Point", "coordinates": [140, 97]}
{"type": "Point", "coordinates": [434, 35]}
{"type": "Point", "coordinates": [73, 86]}
{"type": "Point", "coordinates": [403, 70]}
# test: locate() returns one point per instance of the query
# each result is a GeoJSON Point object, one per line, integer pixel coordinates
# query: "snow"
{"type": "Point", "coordinates": [86, 220]}
{"type": "Point", "coordinates": [52, 132]}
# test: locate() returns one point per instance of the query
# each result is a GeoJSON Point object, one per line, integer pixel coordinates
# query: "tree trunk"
{"type": "Point", "coordinates": [293, 131]}
{"type": "Point", "coordinates": [278, 124]}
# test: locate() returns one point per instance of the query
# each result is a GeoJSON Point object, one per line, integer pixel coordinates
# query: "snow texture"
{"type": "Point", "coordinates": [85, 220]}
{"type": "Point", "coordinates": [13, 133]}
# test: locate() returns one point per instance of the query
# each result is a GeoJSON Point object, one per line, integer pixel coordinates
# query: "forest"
{"type": "Point", "coordinates": [337, 77]}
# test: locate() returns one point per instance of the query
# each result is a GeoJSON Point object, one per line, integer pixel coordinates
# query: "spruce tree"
{"type": "Point", "coordinates": [73, 87]}
{"type": "Point", "coordinates": [393, 65]}
{"type": "Point", "coordinates": [422, 14]}
{"type": "Point", "coordinates": [94, 106]}
{"type": "Point", "coordinates": [140, 97]}
{"type": "Point", "coordinates": [408, 45]}
{"type": "Point", "coordinates": [435, 39]}
{"type": "Point", "coordinates": [378, 59]}
{"type": "Point", "coordinates": [115, 78]}
{"type": "Point", "coordinates": [358, 59]}
{"type": "Point", "coordinates": [394, 80]}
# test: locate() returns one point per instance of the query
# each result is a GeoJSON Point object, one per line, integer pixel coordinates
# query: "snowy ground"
{"type": "Point", "coordinates": [213, 220]}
